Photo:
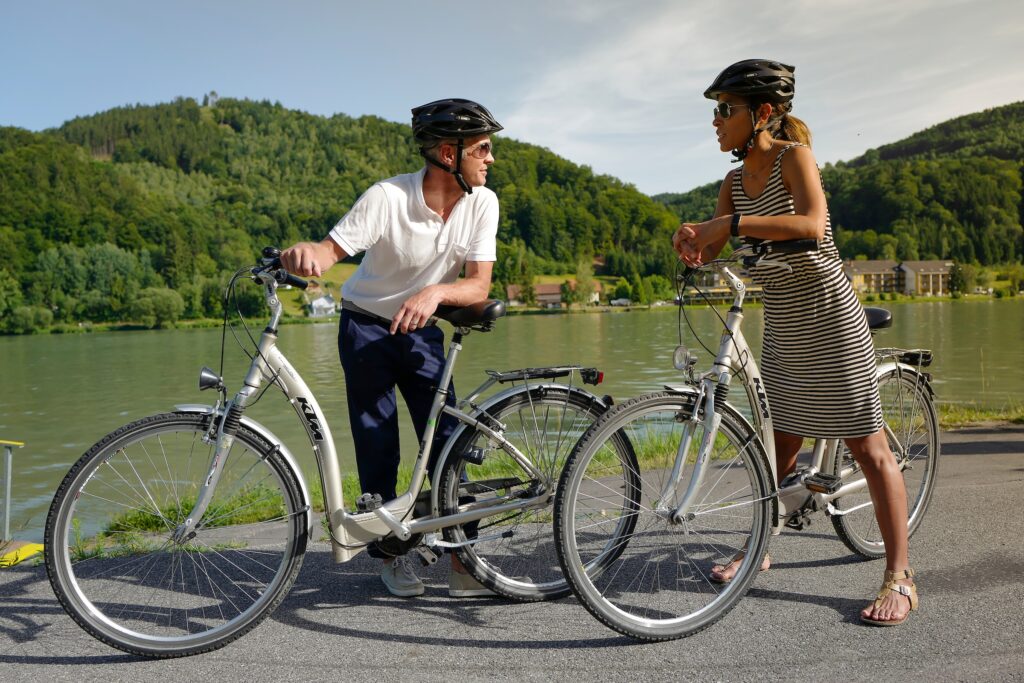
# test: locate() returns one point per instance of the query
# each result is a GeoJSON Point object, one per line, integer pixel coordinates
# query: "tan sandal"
{"type": "Point", "coordinates": [738, 557]}
{"type": "Point", "coordinates": [910, 592]}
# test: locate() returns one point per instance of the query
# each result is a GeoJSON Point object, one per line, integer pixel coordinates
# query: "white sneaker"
{"type": "Point", "coordinates": [466, 586]}
{"type": "Point", "coordinates": [400, 579]}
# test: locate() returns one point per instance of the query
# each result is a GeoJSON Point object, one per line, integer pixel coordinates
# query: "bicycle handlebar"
{"type": "Point", "coordinates": [272, 263]}
{"type": "Point", "coordinates": [750, 254]}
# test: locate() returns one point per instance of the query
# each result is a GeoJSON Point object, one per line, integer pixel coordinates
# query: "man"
{"type": "Point", "coordinates": [418, 231]}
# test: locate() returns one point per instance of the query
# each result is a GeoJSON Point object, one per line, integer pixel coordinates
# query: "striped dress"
{"type": "Point", "coordinates": [818, 360]}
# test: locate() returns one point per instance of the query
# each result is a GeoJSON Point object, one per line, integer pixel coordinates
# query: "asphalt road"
{"type": "Point", "coordinates": [798, 622]}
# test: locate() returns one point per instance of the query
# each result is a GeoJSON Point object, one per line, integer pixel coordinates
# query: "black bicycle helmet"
{"type": "Point", "coordinates": [759, 79]}
{"type": "Point", "coordinates": [451, 119]}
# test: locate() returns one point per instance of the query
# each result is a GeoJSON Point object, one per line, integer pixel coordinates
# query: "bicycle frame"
{"type": "Point", "coordinates": [736, 358]}
{"type": "Point", "coordinates": [351, 532]}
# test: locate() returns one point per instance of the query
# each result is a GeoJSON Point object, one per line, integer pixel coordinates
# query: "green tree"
{"type": "Point", "coordinates": [641, 294]}
{"type": "Point", "coordinates": [623, 290]}
{"type": "Point", "coordinates": [568, 293]}
{"type": "Point", "coordinates": [28, 319]}
{"type": "Point", "coordinates": [10, 297]}
{"type": "Point", "coordinates": [157, 307]}
{"type": "Point", "coordinates": [660, 287]}
{"type": "Point", "coordinates": [585, 284]}
{"type": "Point", "coordinates": [957, 283]}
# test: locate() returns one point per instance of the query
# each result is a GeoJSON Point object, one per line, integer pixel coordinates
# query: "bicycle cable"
{"type": "Point", "coordinates": [688, 279]}
{"type": "Point", "coordinates": [231, 297]}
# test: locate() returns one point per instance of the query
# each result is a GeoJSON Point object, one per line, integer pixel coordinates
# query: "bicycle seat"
{"type": "Point", "coordinates": [878, 318]}
{"type": "Point", "coordinates": [481, 313]}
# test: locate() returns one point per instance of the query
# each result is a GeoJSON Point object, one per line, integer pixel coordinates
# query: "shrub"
{"type": "Point", "coordinates": [157, 307]}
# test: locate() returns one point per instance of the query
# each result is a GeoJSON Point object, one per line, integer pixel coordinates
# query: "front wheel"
{"type": "Point", "coordinates": [660, 586]}
{"type": "Point", "coordinates": [115, 566]}
{"type": "Point", "coordinates": [513, 552]}
{"type": "Point", "coordinates": [912, 429]}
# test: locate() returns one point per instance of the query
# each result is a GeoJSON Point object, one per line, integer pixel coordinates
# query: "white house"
{"type": "Point", "coordinates": [323, 307]}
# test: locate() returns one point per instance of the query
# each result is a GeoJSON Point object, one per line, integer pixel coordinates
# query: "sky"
{"type": "Point", "coordinates": [613, 84]}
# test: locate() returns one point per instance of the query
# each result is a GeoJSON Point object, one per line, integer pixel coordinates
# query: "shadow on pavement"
{"type": "Point", "coordinates": [476, 622]}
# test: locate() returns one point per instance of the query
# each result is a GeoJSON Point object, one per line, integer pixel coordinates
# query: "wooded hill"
{"type": "Point", "coordinates": [139, 213]}
{"type": "Point", "coordinates": [170, 198]}
{"type": "Point", "coordinates": [952, 191]}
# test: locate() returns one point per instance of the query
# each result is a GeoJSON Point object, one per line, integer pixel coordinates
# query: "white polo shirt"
{"type": "Point", "coordinates": [407, 244]}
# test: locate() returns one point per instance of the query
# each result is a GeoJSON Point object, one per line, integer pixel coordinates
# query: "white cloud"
{"type": "Point", "coordinates": [628, 101]}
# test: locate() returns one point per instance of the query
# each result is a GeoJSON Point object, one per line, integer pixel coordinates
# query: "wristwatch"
{"type": "Point", "coordinates": [735, 229]}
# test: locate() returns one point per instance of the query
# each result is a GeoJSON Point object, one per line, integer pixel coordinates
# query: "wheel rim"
{"type": "Point", "coordinates": [124, 575]}
{"type": "Point", "coordinates": [516, 554]}
{"type": "Point", "coordinates": [912, 433]}
{"type": "Point", "coordinates": [661, 585]}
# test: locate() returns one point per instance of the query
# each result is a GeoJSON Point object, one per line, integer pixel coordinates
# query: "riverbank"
{"type": "Point", "coordinates": [293, 315]}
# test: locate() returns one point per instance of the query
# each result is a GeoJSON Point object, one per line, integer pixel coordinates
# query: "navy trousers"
{"type": "Point", "coordinates": [375, 362]}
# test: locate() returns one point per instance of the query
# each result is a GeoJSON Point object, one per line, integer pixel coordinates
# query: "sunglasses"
{"type": "Point", "coordinates": [724, 109]}
{"type": "Point", "coordinates": [479, 151]}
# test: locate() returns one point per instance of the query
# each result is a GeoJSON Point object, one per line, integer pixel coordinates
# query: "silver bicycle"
{"type": "Point", "coordinates": [179, 532]}
{"type": "Point", "coordinates": [675, 482]}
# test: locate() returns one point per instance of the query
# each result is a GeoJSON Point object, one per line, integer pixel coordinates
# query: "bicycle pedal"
{"type": "Point", "coordinates": [823, 483]}
{"type": "Point", "coordinates": [369, 502]}
{"type": "Point", "coordinates": [799, 520]}
{"type": "Point", "coordinates": [427, 556]}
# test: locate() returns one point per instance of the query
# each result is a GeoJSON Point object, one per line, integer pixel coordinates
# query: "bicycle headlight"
{"type": "Point", "coordinates": [683, 359]}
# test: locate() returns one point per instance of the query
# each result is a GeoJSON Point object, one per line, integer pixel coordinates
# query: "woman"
{"type": "Point", "coordinates": [818, 360]}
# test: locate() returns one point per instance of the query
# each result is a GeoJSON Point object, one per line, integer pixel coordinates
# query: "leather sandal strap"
{"type": "Point", "coordinates": [893, 575]}
{"type": "Point", "coordinates": [909, 592]}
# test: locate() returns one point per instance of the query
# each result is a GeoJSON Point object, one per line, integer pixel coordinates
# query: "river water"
{"type": "Point", "coordinates": [62, 393]}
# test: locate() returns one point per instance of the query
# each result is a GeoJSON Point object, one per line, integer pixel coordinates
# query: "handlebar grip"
{"type": "Point", "coordinates": [272, 261]}
{"type": "Point", "coordinates": [285, 278]}
{"type": "Point", "coordinates": [792, 246]}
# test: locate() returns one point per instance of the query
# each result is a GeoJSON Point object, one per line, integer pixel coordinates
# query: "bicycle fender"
{"type": "Point", "coordinates": [681, 389]}
{"type": "Point", "coordinates": [909, 370]}
{"type": "Point", "coordinates": [435, 480]}
{"type": "Point", "coordinates": [271, 438]}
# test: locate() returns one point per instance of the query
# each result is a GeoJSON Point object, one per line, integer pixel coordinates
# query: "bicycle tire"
{"type": "Point", "coordinates": [909, 413]}
{"type": "Point", "coordinates": [660, 587]}
{"type": "Point", "coordinates": [111, 559]}
{"type": "Point", "coordinates": [513, 553]}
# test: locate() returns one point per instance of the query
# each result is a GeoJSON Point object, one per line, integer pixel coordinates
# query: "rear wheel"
{"type": "Point", "coordinates": [115, 566]}
{"type": "Point", "coordinates": [513, 552]}
{"type": "Point", "coordinates": [912, 429]}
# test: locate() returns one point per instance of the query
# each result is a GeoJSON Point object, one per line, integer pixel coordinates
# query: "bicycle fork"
{"type": "Point", "coordinates": [710, 422]}
{"type": "Point", "coordinates": [226, 430]}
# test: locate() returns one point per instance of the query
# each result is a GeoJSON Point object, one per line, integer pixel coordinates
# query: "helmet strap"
{"type": "Point", "coordinates": [457, 171]}
{"type": "Point", "coordinates": [742, 153]}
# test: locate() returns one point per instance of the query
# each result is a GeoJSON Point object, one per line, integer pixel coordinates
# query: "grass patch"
{"type": "Point", "coordinates": [251, 505]}
{"type": "Point", "coordinates": [960, 415]}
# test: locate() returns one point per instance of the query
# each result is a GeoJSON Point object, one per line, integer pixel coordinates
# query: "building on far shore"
{"type": "Point", "coordinates": [922, 278]}
{"type": "Point", "coordinates": [875, 277]}
{"type": "Point", "coordinates": [323, 307]}
{"type": "Point", "coordinates": [926, 278]}
{"type": "Point", "coordinates": [548, 295]}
